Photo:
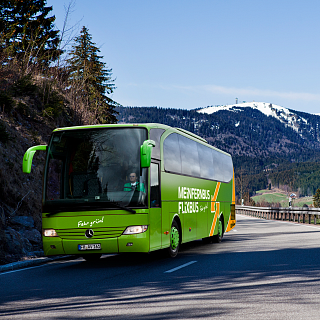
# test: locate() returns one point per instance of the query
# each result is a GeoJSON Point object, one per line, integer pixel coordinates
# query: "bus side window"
{"type": "Point", "coordinates": [155, 186]}
{"type": "Point", "coordinates": [155, 135]}
{"type": "Point", "coordinates": [55, 176]}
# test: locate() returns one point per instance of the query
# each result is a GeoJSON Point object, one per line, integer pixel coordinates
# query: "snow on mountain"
{"type": "Point", "coordinates": [282, 114]}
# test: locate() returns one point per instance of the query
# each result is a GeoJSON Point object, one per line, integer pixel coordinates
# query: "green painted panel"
{"type": "Point", "coordinates": [93, 220]}
{"type": "Point", "coordinates": [166, 221]}
{"type": "Point", "coordinates": [134, 243]}
{"type": "Point", "coordinates": [155, 228]}
{"type": "Point", "coordinates": [52, 246]}
{"type": "Point", "coordinates": [202, 218]}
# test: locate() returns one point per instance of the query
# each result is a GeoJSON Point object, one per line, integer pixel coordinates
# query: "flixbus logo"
{"type": "Point", "coordinates": [192, 194]}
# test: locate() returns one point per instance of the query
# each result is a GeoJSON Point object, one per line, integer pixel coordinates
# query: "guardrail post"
{"type": "Point", "coordinates": [304, 218]}
{"type": "Point", "coordinates": [315, 218]}
{"type": "Point", "coordinates": [309, 218]}
{"type": "Point", "coordinates": [298, 217]}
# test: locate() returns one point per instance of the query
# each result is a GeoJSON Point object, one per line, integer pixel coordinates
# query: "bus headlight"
{"type": "Point", "coordinates": [49, 233]}
{"type": "Point", "coordinates": [135, 229]}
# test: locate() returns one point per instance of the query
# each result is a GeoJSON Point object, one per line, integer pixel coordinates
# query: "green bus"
{"type": "Point", "coordinates": [132, 188]}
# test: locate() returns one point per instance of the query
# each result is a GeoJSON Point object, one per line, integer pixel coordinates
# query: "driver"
{"type": "Point", "coordinates": [134, 184]}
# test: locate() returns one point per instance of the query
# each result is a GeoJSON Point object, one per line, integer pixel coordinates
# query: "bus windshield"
{"type": "Point", "coordinates": [92, 169]}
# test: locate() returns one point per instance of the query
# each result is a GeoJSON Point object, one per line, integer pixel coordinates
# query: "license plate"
{"type": "Point", "coordinates": [83, 247]}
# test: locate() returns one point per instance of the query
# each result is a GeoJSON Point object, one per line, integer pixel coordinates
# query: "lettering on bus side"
{"type": "Point", "coordinates": [187, 193]}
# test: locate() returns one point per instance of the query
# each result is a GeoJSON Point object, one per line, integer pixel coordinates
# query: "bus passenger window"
{"type": "Point", "coordinates": [171, 154]}
{"type": "Point", "coordinates": [155, 135]}
{"type": "Point", "coordinates": [206, 162]}
{"type": "Point", "coordinates": [155, 186]}
{"type": "Point", "coordinates": [189, 157]}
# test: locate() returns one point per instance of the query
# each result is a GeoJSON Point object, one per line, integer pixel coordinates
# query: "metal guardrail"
{"type": "Point", "coordinates": [311, 215]}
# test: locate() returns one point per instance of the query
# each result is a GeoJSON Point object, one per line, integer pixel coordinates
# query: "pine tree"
{"type": "Point", "coordinates": [27, 33]}
{"type": "Point", "coordinates": [316, 199]}
{"type": "Point", "coordinates": [90, 83]}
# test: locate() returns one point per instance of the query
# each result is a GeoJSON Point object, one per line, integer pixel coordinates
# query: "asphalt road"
{"type": "Point", "coordinates": [261, 270]}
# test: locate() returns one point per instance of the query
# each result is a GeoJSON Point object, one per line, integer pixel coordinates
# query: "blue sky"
{"type": "Point", "coordinates": [190, 54]}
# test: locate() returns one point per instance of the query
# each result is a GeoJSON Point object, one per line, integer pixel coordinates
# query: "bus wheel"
{"type": "Point", "coordinates": [92, 257]}
{"type": "Point", "coordinates": [174, 239]}
{"type": "Point", "coordinates": [218, 237]}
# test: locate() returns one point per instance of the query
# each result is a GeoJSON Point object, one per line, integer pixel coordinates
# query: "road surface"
{"type": "Point", "coordinates": [261, 270]}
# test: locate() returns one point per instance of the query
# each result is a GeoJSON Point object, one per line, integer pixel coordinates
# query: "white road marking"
{"type": "Point", "coordinates": [11, 271]}
{"type": "Point", "coordinates": [55, 262]}
{"type": "Point", "coordinates": [182, 266]}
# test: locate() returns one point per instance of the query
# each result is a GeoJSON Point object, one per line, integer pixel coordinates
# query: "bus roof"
{"type": "Point", "coordinates": [143, 125]}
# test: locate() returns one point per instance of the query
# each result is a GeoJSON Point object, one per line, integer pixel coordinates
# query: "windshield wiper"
{"type": "Point", "coordinates": [88, 207]}
{"type": "Point", "coordinates": [55, 211]}
{"type": "Point", "coordinates": [117, 205]}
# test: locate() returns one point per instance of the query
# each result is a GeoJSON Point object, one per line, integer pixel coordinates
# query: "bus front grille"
{"type": "Point", "coordinates": [98, 233]}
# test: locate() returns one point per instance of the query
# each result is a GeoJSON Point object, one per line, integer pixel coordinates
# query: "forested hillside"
{"type": "Point", "coordinates": [41, 87]}
{"type": "Point", "coordinates": [304, 177]}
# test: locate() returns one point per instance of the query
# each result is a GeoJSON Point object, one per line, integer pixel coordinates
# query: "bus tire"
{"type": "Point", "coordinates": [92, 257]}
{"type": "Point", "coordinates": [218, 237]}
{"type": "Point", "coordinates": [174, 239]}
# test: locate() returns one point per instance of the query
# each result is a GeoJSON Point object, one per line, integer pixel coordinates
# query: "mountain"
{"type": "Point", "coordinates": [263, 138]}
{"type": "Point", "coordinates": [255, 129]}
{"type": "Point", "coordinates": [306, 125]}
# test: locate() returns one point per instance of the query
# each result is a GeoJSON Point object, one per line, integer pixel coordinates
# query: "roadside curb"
{"type": "Point", "coordinates": [30, 263]}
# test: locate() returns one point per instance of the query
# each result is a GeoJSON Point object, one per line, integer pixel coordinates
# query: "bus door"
{"type": "Point", "coordinates": [155, 206]}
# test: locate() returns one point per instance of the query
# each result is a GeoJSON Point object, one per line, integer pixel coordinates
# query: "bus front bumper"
{"type": "Point", "coordinates": [124, 243]}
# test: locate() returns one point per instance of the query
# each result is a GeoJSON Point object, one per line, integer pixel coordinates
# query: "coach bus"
{"type": "Point", "coordinates": [132, 188]}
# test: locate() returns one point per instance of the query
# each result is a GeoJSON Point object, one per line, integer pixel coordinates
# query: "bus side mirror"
{"type": "Point", "coordinates": [28, 156]}
{"type": "Point", "coordinates": [145, 153]}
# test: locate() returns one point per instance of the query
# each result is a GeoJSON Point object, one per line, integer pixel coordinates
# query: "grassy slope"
{"type": "Point", "coordinates": [280, 197]}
